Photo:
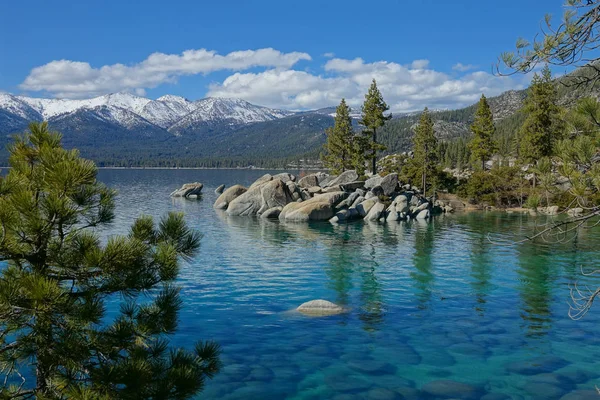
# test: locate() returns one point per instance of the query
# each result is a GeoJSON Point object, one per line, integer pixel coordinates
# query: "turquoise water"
{"type": "Point", "coordinates": [435, 309]}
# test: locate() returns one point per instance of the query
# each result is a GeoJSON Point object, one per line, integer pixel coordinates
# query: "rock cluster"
{"type": "Point", "coordinates": [189, 190]}
{"type": "Point", "coordinates": [321, 197]}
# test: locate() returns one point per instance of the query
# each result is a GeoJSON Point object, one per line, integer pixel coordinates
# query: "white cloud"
{"type": "Point", "coordinates": [420, 64]}
{"type": "Point", "coordinates": [405, 88]}
{"type": "Point", "coordinates": [329, 55]}
{"type": "Point", "coordinates": [273, 82]}
{"type": "Point", "coordinates": [463, 67]}
{"type": "Point", "coordinates": [65, 78]}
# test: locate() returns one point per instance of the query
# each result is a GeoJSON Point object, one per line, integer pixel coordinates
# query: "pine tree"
{"type": "Point", "coordinates": [482, 145]}
{"type": "Point", "coordinates": [373, 119]}
{"type": "Point", "coordinates": [58, 275]}
{"type": "Point", "coordinates": [425, 149]}
{"type": "Point", "coordinates": [542, 127]}
{"type": "Point", "coordinates": [340, 146]}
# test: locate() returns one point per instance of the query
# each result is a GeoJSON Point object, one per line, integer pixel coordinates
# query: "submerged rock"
{"type": "Point", "coordinates": [188, 190]}
{"type": "Point", "coordinates": [320, 308]}
{"type": "Point", "coordinates": [447, 389]}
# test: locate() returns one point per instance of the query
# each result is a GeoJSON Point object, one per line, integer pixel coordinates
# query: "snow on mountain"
{"type": "Point", "coordinates": [213, 110]}
{"type": "Point", "coordinates": [16, 106]}
{"type": "Point", "coordinates": [174, 113]}
{"type": "Point", "coordinates": [167, 110]}
{"type": "Point", "coordinates": [49, 108]}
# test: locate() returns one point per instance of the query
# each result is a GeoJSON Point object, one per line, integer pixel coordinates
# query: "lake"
{"type": "Point", "coordinates": [435, 310]}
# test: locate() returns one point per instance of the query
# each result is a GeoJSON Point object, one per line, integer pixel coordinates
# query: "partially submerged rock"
{"type": "Point", "coordinates": [228, 196]}
{"type": "Point", "coordinates": [319, 308]}
{"type": "Point", "coordinates": [260, 198]}
{"type": "Point", "coordinates": [188, 190]}
{"type": "Point", "coordinates": [319, 208]}
{"type": "Point", "coordinates": [220, 189]}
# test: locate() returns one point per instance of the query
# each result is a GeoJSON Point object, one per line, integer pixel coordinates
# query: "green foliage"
{"type": "Point", "coordinates": [571, 42]}
{"type": "Point", "coordinates": [424, 162]}
{"type": "Point", "coordinates": [482, 145]}
{"type": "Point", "coordinates": [340, 146]}
{"type": "Point", "coordinates": [501, 186]}
{"type": "Point", "coordinates": [373, 118]}
{"type": "Point", "coordinates": [543, 125]}
{"type": "Point", "coordinates": [59, 275]}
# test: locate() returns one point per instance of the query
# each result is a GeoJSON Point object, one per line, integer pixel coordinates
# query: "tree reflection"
{"type": "Point", "coordinates": [536, 278]}
{"type": "Point", "coordinates": [422, 259]}
{"type": "Point", "coordinates": [481, 273]}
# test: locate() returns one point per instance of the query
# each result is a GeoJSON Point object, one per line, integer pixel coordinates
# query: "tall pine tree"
{"type": "Point", "coordinates": [372, 119]}
{"type": "Point", "coordinates": [482, 145]}
{"type": "Point", "coordinates": [339, 147]}
{"type": "Point", "coordinates": [543, 126]}
{"type": "Point", "coordinates": [425, 149]}
{"type": "Point", "coordinates": [57, 341]}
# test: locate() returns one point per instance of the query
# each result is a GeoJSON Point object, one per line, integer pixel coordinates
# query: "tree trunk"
{"type": "Point", "coordinates": [374, 151]}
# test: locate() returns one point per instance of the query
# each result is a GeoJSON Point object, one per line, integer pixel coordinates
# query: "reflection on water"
{"type": "Point", "coordinates": [431, 306]}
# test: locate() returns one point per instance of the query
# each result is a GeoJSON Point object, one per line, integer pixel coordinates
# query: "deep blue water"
{"type": "Point", "coordinates": [436, 310]}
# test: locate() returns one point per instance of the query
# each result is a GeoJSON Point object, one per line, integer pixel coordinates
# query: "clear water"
{"type": "Point", "coordinates": [435, 309]}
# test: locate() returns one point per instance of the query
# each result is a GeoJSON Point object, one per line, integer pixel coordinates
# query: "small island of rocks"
{"type": "Point", "coordinates": [334, 198]}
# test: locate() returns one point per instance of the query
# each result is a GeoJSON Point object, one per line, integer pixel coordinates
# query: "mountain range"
{"type": "Point", "coordinates": [122, 129]}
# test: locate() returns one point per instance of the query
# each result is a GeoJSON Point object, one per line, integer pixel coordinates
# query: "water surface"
{"type": "Point", "coordinates": [436, 310]}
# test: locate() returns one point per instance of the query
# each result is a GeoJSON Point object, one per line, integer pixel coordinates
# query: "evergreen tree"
{"type": "Point", "coordinates": [425, 149]}
{"type": "Point", "coordinates": [373, 119]}
{"type": "Point", "coordinates": [482, 145]}
{"type": "Point", "coordinates": [56, 339]}
{"type": "Point", "coordinates": [542, 126]}
{"type": "Point", "coordinates": [340, 145]}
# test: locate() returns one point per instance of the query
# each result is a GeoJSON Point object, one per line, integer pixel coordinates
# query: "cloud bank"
{"type": "Point", "coordinates": [268, 77]}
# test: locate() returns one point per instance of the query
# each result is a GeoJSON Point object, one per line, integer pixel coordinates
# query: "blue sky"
{"type": "Point", "coordinates": [288, 54]}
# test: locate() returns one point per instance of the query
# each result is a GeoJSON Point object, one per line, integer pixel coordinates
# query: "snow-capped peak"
{"type": "Point", "coordinates": [169, 98]}
{"type": "Point", "coordinates": [166, 111]}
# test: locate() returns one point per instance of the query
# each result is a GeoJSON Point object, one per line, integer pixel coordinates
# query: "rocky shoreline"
{"type": "Point", "coordinates": [334, 198]}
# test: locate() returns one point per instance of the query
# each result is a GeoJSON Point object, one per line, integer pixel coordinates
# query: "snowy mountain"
{"type": "Point", "coordinates": [174, 113]}
{"type": "Point", "coordinates": [220, 113]}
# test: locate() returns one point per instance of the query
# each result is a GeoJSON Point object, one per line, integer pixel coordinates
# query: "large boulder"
{"type": "Point", "coordinates": [228, 196]}
{"type": "Point", "coordinates": [373, 181]}
{"type": "Point", "coordinates": [358, 200]}
{"type": "Point", "coordinates": [352, 186]}
{"type": "Point", "coordinates": [389, 183]}
{"type": "Point", "coordinates": [312, 180]}
{"type": "Point", "coordinates": [320, 308]}
{"type": "Point", "coordinates": [319, 208]}
{"type": "Point", "coordinates": [401, 204]}
{"type": "Point", "coordinates": [272, 213]}
{"type": "Point", "coordinates": [259, 198]}
{"type": "Point", "coordinates": [344, 178]}
{"type": "Point", "coordinates": [423, 214]}
{"type": "Point", "coordinates": [345, 215]}
{"type": "Point", "coordinates": [189, 190]}
{"type": "Point", "coordinates": [376, 212]}
{"type": "Point", "coordinates": [285, 177]}
{"type": "Point", "coordinates": [263, 179]}
{"type": "Point", "coordinates": [364, 207]}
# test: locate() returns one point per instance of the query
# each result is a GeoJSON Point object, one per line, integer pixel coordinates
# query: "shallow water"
{"type": "Point", "coordinates": [435, 310]}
